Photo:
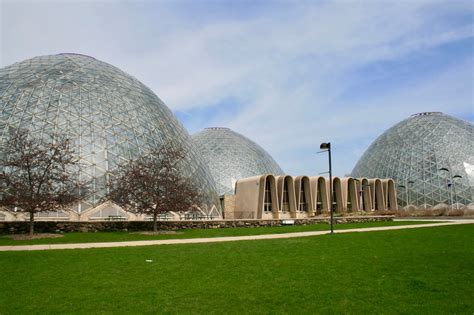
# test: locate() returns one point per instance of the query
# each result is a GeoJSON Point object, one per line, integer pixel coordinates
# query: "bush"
{"type": "Point", "coordinates": [385, 212]}
{"type": "Point", "coordinates": [468, 212]}
{"type": "Point", "coordinates": [413, 212]}
{"type": "Point", "coordinates": [455, 213]}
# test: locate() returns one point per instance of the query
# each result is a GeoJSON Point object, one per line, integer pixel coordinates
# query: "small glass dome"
{"type": "Point", "coordinates": [231, 156]}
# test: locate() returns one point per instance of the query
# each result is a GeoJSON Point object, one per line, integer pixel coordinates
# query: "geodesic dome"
{"type": "Point", "coordinates": [429, 155]}
{"type": "Point", "coordinates": [110, 116]}
{"type": "Point", "coordinates": [231, 156]}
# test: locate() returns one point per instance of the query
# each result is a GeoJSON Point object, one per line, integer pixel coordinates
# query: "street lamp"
{"type": "Point", "coordinates": [326, 146]}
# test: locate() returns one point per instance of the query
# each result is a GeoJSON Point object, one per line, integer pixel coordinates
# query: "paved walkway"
{"type": "Point", "coordinates": [225, 239]}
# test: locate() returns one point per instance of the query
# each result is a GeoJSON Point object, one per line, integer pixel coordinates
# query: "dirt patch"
{"type": "Point", "coordinates": [23, 237]}
{"type": "Point", "coordinates": [162, 232]}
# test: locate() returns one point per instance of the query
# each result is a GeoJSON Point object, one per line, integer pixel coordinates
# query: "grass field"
{"type": "Point", "coordinates": [125, 236]}
{"type": "Point", "coordinates": [415, 271]}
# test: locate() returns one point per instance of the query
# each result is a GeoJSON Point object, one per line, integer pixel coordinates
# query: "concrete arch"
{"type": "Point", "coordinates": [319, 194]}
{"type": "Point", "coordinates": [365, 194]}
{"type": "Point", "coordinates": [286, 197]}
{"type": "Point", "coordinates": [337, 198]}
{"type": "Point", "coordinates": [351, 194]}
{"type": "Point", "coordinates": [390, 194]}
{"type": "Point", "coordinates": [378, 200]}
{"type": "Point", "coordinates": [270, 205]}
{"type": "Point", "coordinates": [304, 200]}
{"type": "Point", "coordinates": [250, 200]}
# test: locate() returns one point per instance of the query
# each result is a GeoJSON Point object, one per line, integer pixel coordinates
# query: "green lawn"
{"type": "Point", "coordinates": [417, 271]}
{"type": "Point", "coordinates": [125, 236]}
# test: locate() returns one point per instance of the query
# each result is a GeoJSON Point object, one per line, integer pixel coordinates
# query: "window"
{"type": "Point", "coordinates": [286, 203]}
{"type": "Point", "coordinates": [303, 204]}
{"type": "Point", "coordinates": [267, 202]}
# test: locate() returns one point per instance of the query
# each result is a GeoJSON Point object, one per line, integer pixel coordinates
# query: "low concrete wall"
{"type": "Point", "coordinates": [10, 227]}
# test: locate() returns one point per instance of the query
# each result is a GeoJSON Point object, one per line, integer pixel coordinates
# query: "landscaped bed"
{"type": "Point", "coordinates": [415, 271]}
{"type": "Point", "coordinates": [77, 237]}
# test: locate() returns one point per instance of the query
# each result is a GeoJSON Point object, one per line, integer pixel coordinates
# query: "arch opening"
{"type": "Point", "coordinates": [285, 204]}
{"type": "Point", "coordinates": [268, 201]}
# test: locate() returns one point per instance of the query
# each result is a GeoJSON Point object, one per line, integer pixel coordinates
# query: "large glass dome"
{"type": "Point", "coordinates": [231, 156]}
{"type": "Point", "coordinates": [429, 155]}
{"type": "Point", "coordinates": [110, 116]}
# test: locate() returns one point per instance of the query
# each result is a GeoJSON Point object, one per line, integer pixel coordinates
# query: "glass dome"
{"type": "Point", "coordinates": [429, 155]}
{"type": "Point", "coordinates": [231, 156]}
{"type": "Point", "coordinates": [110, 116]}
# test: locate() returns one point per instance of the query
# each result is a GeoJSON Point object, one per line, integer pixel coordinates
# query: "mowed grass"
{"type": "Point", "coordinates": [416, 271]}
{"type": "Point", "coordinates": [77, 237]}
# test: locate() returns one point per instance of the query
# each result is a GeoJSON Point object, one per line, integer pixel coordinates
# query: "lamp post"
{"type": "Point", "coordinates": [326, 146]}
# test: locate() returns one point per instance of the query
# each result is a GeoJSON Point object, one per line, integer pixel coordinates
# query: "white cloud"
{"type": "Point", "coordinates": [288, 70]}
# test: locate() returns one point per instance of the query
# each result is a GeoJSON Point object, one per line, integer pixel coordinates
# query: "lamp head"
{"type": "Point", "coordinates": [325, 146]}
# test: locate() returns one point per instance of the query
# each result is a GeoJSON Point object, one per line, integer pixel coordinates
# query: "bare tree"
{"type": "Point", "coordinates": [37, 175]}
{"type": "Point", "coordinates": [154, 185]}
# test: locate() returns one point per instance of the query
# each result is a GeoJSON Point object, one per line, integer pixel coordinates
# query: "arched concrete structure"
{"type": "Point", "coordinates": [304, 200]}
{"type": "Point", "coordinates": [351, 195]}
{"type": "Point", "coordinates": [337, 200]}
{"type": "Point", "coordinates": [390, 194]}
{"type": "Point", "coordinates": [270, 205]}
{"type": "Point", "coordinates": [286, 196]}
{"type": "Point", "coordinates": [319, 194]}
{"type": "Point", "coordinates": [252, 201]}
{"type": "Point", "coordinates": [378, 200]}
{"type": "Point", "coordinates": [365, 194]}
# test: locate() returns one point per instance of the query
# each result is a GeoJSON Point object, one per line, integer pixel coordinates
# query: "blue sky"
{"type": "Point", "coordinates": [287, 74]}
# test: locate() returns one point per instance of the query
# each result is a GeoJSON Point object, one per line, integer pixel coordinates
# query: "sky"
{"type": "Point", "coordinates": [286, 74]}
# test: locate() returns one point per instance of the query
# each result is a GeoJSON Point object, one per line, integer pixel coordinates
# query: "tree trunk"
{"type": "Point", "coordinates": [155, 222]}
{"type": "Point", "coordinates": [32, 223]}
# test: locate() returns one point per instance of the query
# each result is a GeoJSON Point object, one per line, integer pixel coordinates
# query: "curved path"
{"type": "Point", "coordinates": [227, 238]}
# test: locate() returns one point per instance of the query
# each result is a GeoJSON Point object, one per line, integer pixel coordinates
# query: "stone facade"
{"type": "Point", "coordinates": [229, 207]}
{"type": "Point", "coordinates": [10, 227]}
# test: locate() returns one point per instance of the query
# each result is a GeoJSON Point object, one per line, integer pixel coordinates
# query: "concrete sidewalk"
{"type": "Point", "coordinates": [224, 239]}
